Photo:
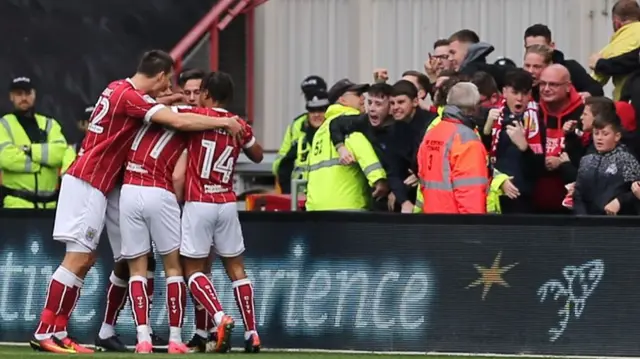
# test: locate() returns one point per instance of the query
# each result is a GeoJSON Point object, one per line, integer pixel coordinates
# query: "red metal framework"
{"type": "Point", "coordinates": [213, 24]}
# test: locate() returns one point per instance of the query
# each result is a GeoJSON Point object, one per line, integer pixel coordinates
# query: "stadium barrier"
{"type": "Point", "coordinates": [498, 284]}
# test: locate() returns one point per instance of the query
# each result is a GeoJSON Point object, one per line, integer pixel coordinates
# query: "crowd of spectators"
{"type": "Point", "coordinates": [468, 136]}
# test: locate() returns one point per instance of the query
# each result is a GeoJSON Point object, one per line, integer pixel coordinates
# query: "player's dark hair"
{"type": "Point", "coordinates": [465, 35]}
{"type": "Point", "coordinates": [519, 80]}
{"type": "Point", "coordinates": [441, 42]}
{"type": "Point", "coordinates": [154, 62]}
{"type": "Point", "coordinates": [404, 87]}
{"type": "Point", "coordinates": [219, 86]}
{"type": "Point", "coordinates": [382, 90]}
{"type": "Point", "coordinates": [536, 30]}
{"type": "Point", "coordinates": [191, 74]}
{"type": "Point", "coordinates": [485, 83]}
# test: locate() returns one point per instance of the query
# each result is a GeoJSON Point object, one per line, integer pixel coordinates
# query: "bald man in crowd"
{"type": "Point", "coordinates": [560, 109]}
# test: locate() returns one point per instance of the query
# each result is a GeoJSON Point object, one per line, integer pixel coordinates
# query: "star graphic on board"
{"type": "Point", "coordinates": [492, 275]}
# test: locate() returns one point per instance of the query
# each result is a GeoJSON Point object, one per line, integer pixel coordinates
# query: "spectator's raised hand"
{"type": "Point", "coordinates": [564, 157]}
{"type": "Point", "coordinates": [613, 207]}
{"type": "Point", "coordinates": [492, 116]}
{"type": "Point", "coordinates": [509, 189]}
{"type": "Point", "coordinates": [517, 136]}
{"type": "Point", "coordinates": [407, 207]}
{"type": "Point", "coordinates": [346, 158]}
{"type": "Point", "coordinates": [569, 126]}
{"type": "Point", "coordinates": [380, 75]}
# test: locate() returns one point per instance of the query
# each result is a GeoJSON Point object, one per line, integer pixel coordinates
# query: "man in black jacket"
{"type": "Point", "coordinates": [540, 34]}
{"type": "Point", "coordinates": [409, 129]}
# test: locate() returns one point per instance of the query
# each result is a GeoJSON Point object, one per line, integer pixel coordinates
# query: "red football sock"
{"type": "Point", "coordinates": [243, 291]}
{"type": "Point", "coordinates": [139, 300]}
{"type": "Point", "coordinates": [204, 293]}
{"type": "Point", "coordinates": [176, 300]}
{"type": "Point", "coordinates": [116, 299]}
{"type": "Point", "coordinates": [201, 315]}
{"type": "Point", "coordinates": [150, 288]}
{"type": "Point", "coordinates": [60, 293]}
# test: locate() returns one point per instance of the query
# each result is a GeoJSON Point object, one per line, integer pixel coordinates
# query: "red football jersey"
{"type": "Point", "coordinates": [153, 156]}
{"type": "Point", "coordinates": [118, 114]}
{"type": "Point", "coordinates": [212, 161]}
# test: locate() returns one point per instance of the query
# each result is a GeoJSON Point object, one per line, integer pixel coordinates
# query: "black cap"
{"type": "Point", "coordinates": [345, 85]}
{"type": "Point", "coordinates": [21, 83]}
{"type": "Point", "coordinates": [312, 84]}
{"type": "Point", "coordinates": [318, 101]}
{"type": "Point", "coordinates": [504, 61]}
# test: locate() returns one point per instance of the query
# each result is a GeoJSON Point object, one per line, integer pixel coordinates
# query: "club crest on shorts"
{"type": "Point", "coordinates": [91, 234]}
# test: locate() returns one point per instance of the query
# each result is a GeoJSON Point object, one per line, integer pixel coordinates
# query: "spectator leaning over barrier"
{"type": "Point", "coordinates": [605, 178]}
{"type": "Point", "coordinates": [32, 149]}
{"type": "Point", "coordinates": [540, 34]}
{"type": "Point", "coordinates": [560, 103]}
{"type": "Point", "coordinates": [517, 148]}
{"type": "Point", "coordinates": [309, 86]}
{"type": "Point", "coordinates": [625, 18]}
{"type": "Point", "coordinates": [376, 125]}
{"type": "Point", "coordinates": [299, 151]}
{"type": "Point", "coordinates": [331, 185]}
{"type": "Point", "coordinates": [409, 129]}
{"type": "Point", "coordinates": [452, 164]}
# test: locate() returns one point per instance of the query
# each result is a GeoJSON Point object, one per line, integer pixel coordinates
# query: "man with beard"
{"type": "Point", "coordinates": [32, 150]}
{"type": "Point", "coordinates": [516, 146]}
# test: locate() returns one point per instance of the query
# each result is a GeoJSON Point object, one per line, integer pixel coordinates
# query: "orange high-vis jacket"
{"type": "Point", "coordinates": [452, 167]}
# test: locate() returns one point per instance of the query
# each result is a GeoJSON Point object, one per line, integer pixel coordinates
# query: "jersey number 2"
{"type": "Point", "coordinates": [100, 110]}
{"type": "Point", "coordinates": [223, 164]}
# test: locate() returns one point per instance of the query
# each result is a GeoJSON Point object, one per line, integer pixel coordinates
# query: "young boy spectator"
{"type": "Point", "coordinates": [517, 150]}
{"type": "Point", "coordinates": [605, 178]}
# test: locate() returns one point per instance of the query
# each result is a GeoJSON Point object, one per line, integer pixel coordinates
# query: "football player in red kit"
{"type": "Point", "coordinates": [89, 196]}
{"type": "Point", "coordinates": [210, 213]}
{"type": "Point", "coordinates": [149, 211]}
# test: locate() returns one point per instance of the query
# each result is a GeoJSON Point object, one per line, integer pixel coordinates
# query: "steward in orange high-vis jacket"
{"type": "Point", "coordinates": [452, 161]}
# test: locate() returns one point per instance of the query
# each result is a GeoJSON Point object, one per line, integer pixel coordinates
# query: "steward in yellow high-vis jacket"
{"type": "Point", "coordinates": [309, 86]}
{"type": "Point", "coordinates": [331, 185]}
{"type": "Point", "coordinates": [32, 148]}
{"type": "Point", "coordinates": [299, 151]}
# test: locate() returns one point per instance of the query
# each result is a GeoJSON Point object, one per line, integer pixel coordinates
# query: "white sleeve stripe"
{"type": "Point", "coordinates": [152, 111]}
{"type": "Point", "coordinates": [251, 142]}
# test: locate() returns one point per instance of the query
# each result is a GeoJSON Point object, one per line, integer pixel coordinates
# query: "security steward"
{"type": "Point", "coordinates": [309, 87]}
{"type": "Point", "coordinates": [299, 151]}
{"type": "Point", "coordinates": [32, 148]}
{"type": "Point", "coordinates": [452, 165]}
{"type": "Point", "coordinates": [335, 187]}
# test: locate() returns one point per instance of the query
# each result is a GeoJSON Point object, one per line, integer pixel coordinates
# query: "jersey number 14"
{"type": "Point", "coordinates": [223, 164]}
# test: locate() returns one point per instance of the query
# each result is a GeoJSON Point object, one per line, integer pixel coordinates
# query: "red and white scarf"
{"type": "Point", "coordinates": [530, 123]}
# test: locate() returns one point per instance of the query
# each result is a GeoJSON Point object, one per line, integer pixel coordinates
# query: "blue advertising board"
{"type": "Point", "coordinates": [384, 282]}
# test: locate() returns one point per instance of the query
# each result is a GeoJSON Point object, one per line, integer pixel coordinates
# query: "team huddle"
{"type": "Point", "coordinates": [140, 161]}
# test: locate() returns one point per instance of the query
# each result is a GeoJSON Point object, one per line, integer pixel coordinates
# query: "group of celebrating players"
{"type": "Point", "coordinates": [139, 162]}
